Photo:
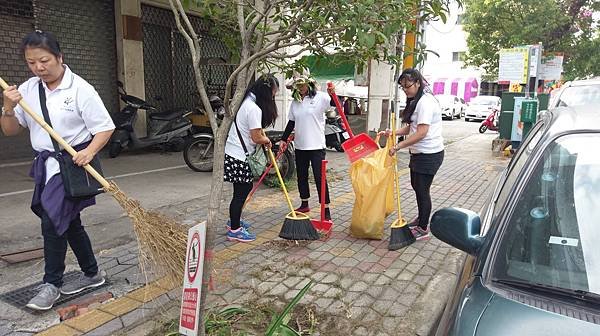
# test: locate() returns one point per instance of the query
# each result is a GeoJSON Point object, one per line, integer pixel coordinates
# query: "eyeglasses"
{"type": "Point", "coordinates": [408, 86]}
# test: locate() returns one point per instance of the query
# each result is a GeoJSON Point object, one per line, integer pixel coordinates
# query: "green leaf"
{"type": "Point", "coordinates": [275, 325]}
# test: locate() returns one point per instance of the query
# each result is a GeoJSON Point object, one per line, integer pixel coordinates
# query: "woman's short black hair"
{"type": "Point", "coordinates": [412, 75]}
{"type": "Point", "coordinates": [40, 39]}
{"type": "Point", "coordinates": [262, 89]}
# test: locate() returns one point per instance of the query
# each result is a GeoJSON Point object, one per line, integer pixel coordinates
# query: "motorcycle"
{"type": "Point", "coordinates": [169, 128]}
{"type": "Point", "coordinates": [198, 151]}
{"type": "Point", "coordinates": [335, 134]}
{"type": "Point", "coordinates": [491, 122]}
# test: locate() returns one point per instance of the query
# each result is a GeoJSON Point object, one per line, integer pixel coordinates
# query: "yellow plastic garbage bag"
{"type": "Point", "coordinates": [373, 183]}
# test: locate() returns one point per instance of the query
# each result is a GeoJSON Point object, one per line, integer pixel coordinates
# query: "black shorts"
{"type": "Point", "coordinates": [427, 164]}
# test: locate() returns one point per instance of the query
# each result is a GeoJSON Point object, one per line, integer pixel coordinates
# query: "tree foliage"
{"type": "Point", "coordinates": [561, 25]}
{"type": "Point", "coordinates": [266, 34]}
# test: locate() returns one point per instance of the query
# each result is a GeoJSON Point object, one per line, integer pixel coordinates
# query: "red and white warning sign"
{"type": "Point", "coordinates": [192, 280]}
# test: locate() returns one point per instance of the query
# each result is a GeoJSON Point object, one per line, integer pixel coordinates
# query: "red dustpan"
{"type": "Point", "coordinates": [358, 146]}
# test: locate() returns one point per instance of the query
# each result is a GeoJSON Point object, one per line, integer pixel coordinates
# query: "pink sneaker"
{"type": "Point", "coordinates": [420, 233]}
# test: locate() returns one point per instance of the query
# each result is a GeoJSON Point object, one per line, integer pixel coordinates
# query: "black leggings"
{"type": "Point", "coordinates": [304, 159]}
{"type": "Point", "coordinates": [421, 184]}
{"type": "Point", "coordinates": [240, 193]}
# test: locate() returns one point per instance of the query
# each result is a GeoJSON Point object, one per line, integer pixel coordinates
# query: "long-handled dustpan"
{"type": "Point", "coordinates": [358, 146]}
{"type": "Point", "coordinates": [162, 237]}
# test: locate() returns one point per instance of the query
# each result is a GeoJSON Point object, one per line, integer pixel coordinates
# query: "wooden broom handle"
{"type": "Point", "coordinates": [57, 137]}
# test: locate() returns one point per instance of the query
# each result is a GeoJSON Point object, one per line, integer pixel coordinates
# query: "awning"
{"type": "Point", "coordinates": [331, 67]}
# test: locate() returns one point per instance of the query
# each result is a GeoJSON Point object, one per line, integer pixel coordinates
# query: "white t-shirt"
{"type": "Point", "coordinates": [309, 116]}
{"type": "Point", "coordinates": [249, 117]}
{"type": "Point", "coordinates": [75, 110]}
{"type": "Point", "coordinates": [428, 112]}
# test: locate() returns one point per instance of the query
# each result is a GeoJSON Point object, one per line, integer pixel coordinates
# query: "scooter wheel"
{"type": "Point", "coordinates": [198, 154]}
{"type": "Point", "coordinates": [482, 129]}
{"type": "Point", "coordinates": [114, 149]}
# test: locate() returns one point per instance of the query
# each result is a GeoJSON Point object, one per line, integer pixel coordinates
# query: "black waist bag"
{"type": "Point", "coordinates": [78, 183]}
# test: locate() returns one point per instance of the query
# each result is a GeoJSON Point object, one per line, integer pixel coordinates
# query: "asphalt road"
{"type": "Point", "coordinates": [156, 179]}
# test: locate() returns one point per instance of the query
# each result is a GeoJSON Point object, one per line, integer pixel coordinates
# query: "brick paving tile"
{"type": "Point", "coordinates": [363, 300]}
{"type": "Point", "coordinates": [397, 309]}
{"type": "Point", "coordinates": [330, 278]}
{"type": "Point", "coordinates": [358, 287]}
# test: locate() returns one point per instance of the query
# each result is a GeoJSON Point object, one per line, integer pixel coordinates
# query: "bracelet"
{"type": "Point", "coordinates": [7, 114]}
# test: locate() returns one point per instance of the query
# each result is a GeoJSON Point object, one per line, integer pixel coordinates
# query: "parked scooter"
{"type": "Point", "coordinates": [170, 128]}
{"type": "Point", "coordinates": [491, 122]}
{"type": "Point", "coordinates": [335, 135]}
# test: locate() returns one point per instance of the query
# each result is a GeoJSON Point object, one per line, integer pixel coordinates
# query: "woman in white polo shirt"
{"type": "Point", "coordinates": [307, 118]}
{"type": "Point", "coordinates": [423, 117]}
{"type": "Point", "coordinates": [79, 116]}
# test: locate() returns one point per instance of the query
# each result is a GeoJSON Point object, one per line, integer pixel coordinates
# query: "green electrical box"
{"type": "Point", "coordinates": [505, 123]}
{"type": "Point", "coordinates": [529, 109]}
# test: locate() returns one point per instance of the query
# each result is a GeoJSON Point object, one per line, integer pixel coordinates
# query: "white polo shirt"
{"type": "Point", "coordinates": [309, 117]}
{"type": "Point", "coordinates": [249, 117]}
{"type": "Point", "coordinates": [428, 112]}
{"type": "Point", "coordinates": [75, 110]}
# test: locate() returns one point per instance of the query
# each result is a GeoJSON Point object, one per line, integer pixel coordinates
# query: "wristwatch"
{"type": "Point", "coordinates": [4, 113]}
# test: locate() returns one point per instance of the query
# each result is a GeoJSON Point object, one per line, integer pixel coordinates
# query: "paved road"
{"type": "Point", "coordinates": [156, 179]}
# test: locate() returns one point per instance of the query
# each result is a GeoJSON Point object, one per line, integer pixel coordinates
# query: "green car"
{"type": "Point", "coordinates": [533, 264]}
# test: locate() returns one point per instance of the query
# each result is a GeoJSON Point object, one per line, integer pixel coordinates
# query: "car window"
{"type": "Point", "coordinates": [552, 235]}
{"type": "Point", "coordinates": [579, 95]}
{"type": "Point", "coordinates": [516, 165]}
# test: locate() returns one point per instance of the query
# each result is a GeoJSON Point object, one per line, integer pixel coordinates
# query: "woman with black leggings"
{"type": "Point", "coordinates": [256, 112]}
{"type": "Point", "coordinates": [423, 117]}
{"type": "Point", "coordinates": [307, 117]}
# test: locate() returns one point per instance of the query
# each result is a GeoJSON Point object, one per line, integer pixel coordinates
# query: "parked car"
{"type": "Point", "coordinates": [481, 106]}
{"type": "Point", "coordinates": [579, 92]}
{"type": "Point", "coordinates": [463, 107]}
{"type": "Point", "coordinates": [533, 262]}
{"type": "Point", "coordinates": [450, 105]}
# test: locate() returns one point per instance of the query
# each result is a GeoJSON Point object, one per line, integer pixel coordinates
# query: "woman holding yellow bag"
{"type": "Point", "coordinates": [423, 117]}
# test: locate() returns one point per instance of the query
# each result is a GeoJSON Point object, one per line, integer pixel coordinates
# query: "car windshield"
{"type": "Point", "coordinates": [481, 100]}
{"type": "Point", "coordinates": [580, 95]}
{"type": "Point", "coordinates": [553, 234]}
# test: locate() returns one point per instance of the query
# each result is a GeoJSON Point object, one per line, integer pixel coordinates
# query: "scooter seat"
{"type": "Point", "coordinates": [167, 115]}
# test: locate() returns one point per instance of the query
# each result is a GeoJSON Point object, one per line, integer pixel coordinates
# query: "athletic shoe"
{"type": "Point", "coordinates": [413, 223]}
{"type": "Point", "coordinates": [243, 224]}
{"type": "Point", "coordinates": [84, 282]}
{"type": "Point", "coordinates": [420, 233]}
{"type": "Point", "coordinates": [45, 298]}
{"type": "Point", "coordinates": [241, 235]}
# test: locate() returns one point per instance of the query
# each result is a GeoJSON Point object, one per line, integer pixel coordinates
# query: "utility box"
{"type": "Point", "coordinates": [505, 124]}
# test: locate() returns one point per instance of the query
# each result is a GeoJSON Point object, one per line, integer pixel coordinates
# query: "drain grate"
{"type": "Point", "coordinates": [19, 297]}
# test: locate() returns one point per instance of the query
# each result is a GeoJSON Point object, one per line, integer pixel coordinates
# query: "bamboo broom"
{"type": "Point", "coordinates": [161, 240]}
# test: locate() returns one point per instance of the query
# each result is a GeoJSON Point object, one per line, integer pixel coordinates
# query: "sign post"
{"type": "Point", "coordinates": [192, 281]}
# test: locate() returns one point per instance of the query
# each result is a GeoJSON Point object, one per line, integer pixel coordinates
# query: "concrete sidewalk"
{"type": "Point", "coordinates": [360, 288]}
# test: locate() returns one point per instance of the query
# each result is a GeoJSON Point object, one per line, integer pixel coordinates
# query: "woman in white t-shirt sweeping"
{"type": "Point", "coordinates": [258, 110]}
{"type": "Point", "coordinates": [307, 118]}
{"type": "Point", "coordinates": [423, 117]}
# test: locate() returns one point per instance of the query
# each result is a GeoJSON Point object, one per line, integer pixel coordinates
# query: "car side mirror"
{"type": "Point", "coordinates": [458, 227]}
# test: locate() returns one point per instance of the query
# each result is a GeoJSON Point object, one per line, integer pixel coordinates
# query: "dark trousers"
{"type": "Point", "coordinates": [421, 183]}
{"type": "Point", "coordinates": [240, 193]}
{"type": "Point", "coordinates": [55, 250]}
{"type": "Point", "coordinates": [304, 159]}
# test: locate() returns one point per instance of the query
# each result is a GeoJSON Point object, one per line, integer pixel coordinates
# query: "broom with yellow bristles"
{"type": "Point", "coordinates": [162, 240]}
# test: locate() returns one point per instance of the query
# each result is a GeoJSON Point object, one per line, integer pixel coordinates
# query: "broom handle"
{"type": "Point", "coordinates": [264, 174]}
{"type": "Point", "coordinates": [340, 109]}
{"type": "Point", "coordinates": [396, 167]}
{"type": "Point", "coordinates": [287, 197]}
{"type": "Point", "coordinates": [57, 137]}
